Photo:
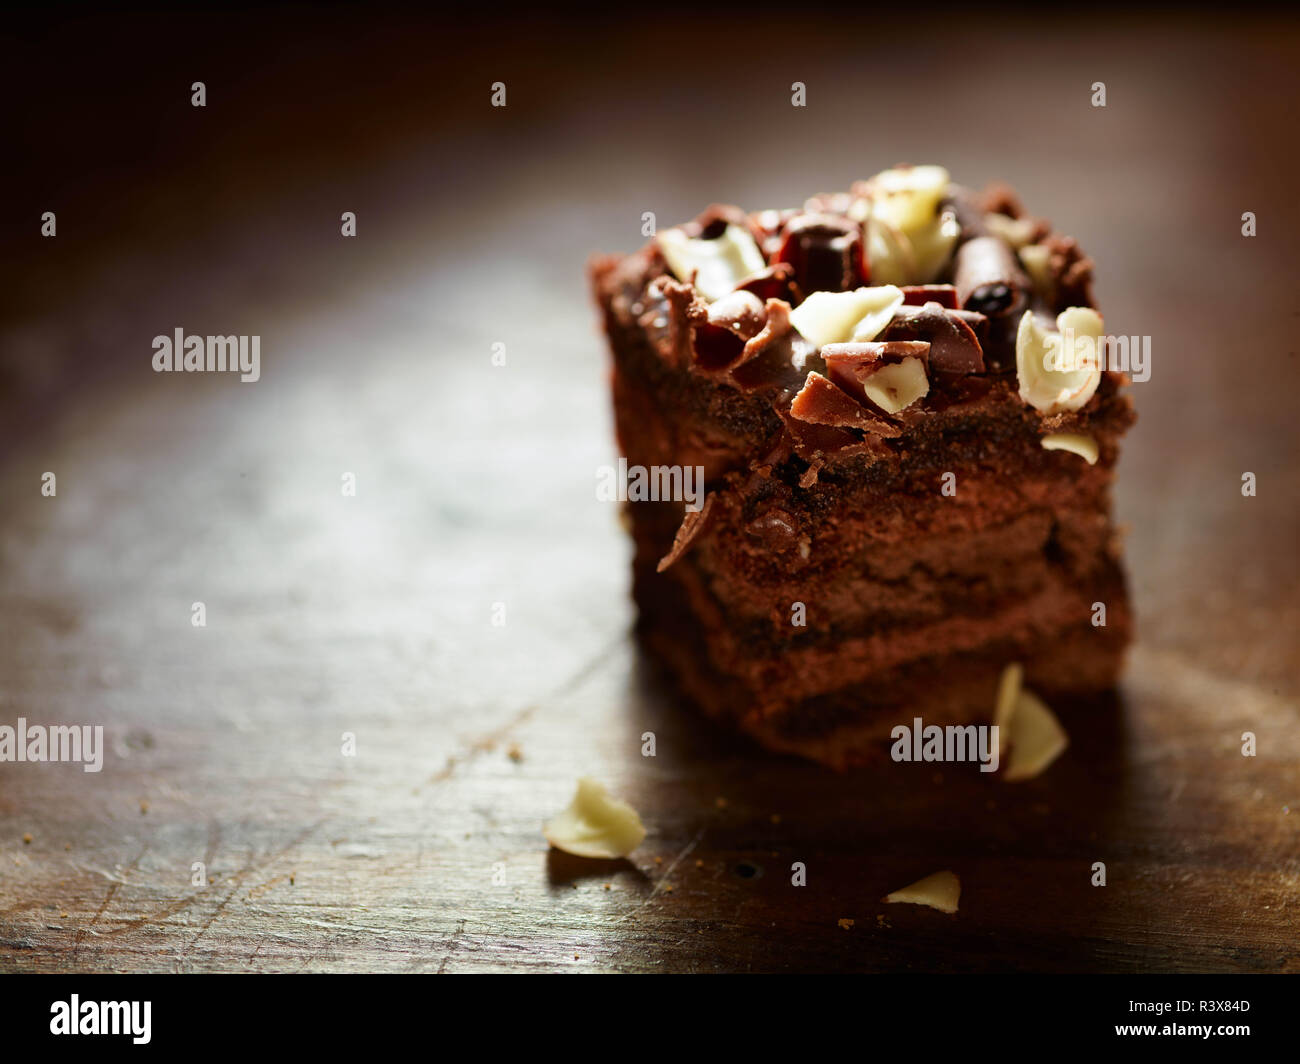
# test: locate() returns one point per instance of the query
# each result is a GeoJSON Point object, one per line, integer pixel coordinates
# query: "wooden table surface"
{"type": "Point", "coordinates": [372, 614]}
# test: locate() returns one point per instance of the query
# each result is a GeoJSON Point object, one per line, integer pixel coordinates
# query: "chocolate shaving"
{"type": "Point", "coordinates": [819, 402]}
{"type": "Point", "coordinates": [826, 252]}
{"type": "Point", "coordinates": [776, 282]}
{"type": "Point", "coordinates": [917, 295]}
{"type": "Point", "coordinates": [849, 365]}
{"type": "Point", "coordinates": [687, 532]}
{"type": "Point", "coordinates": [767, 360]}
{"type": "Point", "coordinates": [954, 344]}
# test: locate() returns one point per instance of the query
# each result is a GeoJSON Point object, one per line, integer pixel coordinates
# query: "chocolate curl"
{"type": "Point", "coordinates": [819, 402]}
{"type": "Point", "coordinates": [826, 252]}
{"type": "Point", "coordinates": [848, 365]}
{"type": "Point", "coordinates": [952, 335]}
{"type": "Point", "coordinates": [687, 532]}
{"type": "Point", "coordinates": [767, 361]}
{"type": "Point", "coordinates": [989, 279]}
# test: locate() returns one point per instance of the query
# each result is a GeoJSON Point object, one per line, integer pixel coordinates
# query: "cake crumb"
{"type": "Point", "coordinates": [846, 923]}
{"type": "Point", "coordinates": [608, 887]}
{"type": "Point", "coordinates": [668, 888]}
{"type": "Point", "coordinates": [514, 753]}
{"type": "Point", "coordinates": [144, 806]}
{"type": "Point", "coordinates": [659, 860]}
{"type": "Point", "coordinates": [27, 838]}
{"type": "Point", "coordinates": [699, 862]}
{"type": "Point", "coordinates": [720, 802]}
{"type": "Point", "coordinates": [776, 818]}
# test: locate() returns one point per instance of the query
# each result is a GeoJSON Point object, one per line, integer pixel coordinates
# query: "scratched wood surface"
{"type": "Point", "coordinates": [372, 614]}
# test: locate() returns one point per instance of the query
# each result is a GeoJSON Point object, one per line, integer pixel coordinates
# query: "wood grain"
{"type": "Point", "coordinates": [372, 615]}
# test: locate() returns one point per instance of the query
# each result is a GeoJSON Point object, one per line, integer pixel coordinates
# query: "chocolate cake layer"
{"type": "Point", "coordinates": [907, 465]}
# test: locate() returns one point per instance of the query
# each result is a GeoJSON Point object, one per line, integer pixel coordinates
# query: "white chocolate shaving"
{"type": "Point", "coordinates": [1009, 685]}
{"type": "Point", "coordinates": [1015, 231]}
{"type": "Point", "coordinates": [1074, 442]}
{"type": "Point", "coordinates": [908, 198]}
{"type": "Point", "coordinates": [1053, 379]}
{"type": "Point", "coordinates": [1037, 738]}
{"type": "Point", "coordinates": [1036, 259]}
{"type": "Point", "coordinates": [595, 825]}
{"type": "Point", "coordinates": [897, 385]}
{"type": "Point", "coordinates": [719, 264]}
{"type": "Point", "coordinates": [941, 891]}
{"type": "Point", "coordinates": [908, 240]}
{"type": "Point", "coordinates": [836, 317]}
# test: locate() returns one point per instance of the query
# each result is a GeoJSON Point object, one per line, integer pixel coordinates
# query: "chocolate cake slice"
{"type": "Point", "coordinates": [899, 402]}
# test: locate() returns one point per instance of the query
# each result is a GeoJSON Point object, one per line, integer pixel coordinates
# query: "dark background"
{"type": "Point", "coordinates": [476, 485]}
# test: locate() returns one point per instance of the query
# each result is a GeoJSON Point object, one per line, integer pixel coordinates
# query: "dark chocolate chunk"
{"type": "Point", "coordinates": [917, 295]}
{"type": "Point", "coordinates": [825, 251]}
{"type": "Point", "coordinates": [989, 279]}
{"type": "Point", "coordinates": [954, 344]}
{"type": "Point", "coordinates": [692, 525]}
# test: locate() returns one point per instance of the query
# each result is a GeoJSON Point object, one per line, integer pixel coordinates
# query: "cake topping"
{"type": "Point", "coordinates": [988, 277]}
{"type": "Point", "coordinates": [910, 234]}
{"type": "Point", "coordinates": [917, 295]}
{"type": "Point", "coordinates": [1075, 442]}
{"type": "Point", "coordinates": [775, 282]}
{"type": "Point", "coordinates": [896, 386]}
{"type": "Point", "coordinates": [739, 312]}
{"type": "Point", "coordinates": [1015, 231]}
{"type": "Point", "coordinates": [819, 402]}
{"type": "Point", "coordinates": [1036, 259]}
{"type": "Point", "coordinates": [954, 346]}
{"type": "Point", "coordinates": [836, 317]}
{"type": "Point", "coordinates": [825, 251]}
{"type": "Point", "coordinates": [1060, 370]}
{"type": "Point", "coordinates": [715, 263]}
{"type": "Point", "coordinates": [890, 375]}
